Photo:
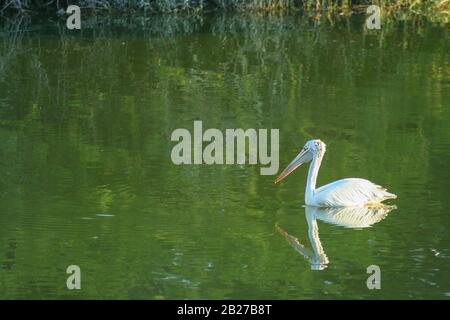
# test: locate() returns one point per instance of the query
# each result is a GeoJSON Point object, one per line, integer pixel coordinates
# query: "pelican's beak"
{"type": "Point", "coordinates": [292, 166]}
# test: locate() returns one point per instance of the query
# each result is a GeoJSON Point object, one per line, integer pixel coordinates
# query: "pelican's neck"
{"type": "Point", "coordinates": [312, 174]}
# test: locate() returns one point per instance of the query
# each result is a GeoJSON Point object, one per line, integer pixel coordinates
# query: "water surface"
{"type": "Point", "coordinates": [86, 176]}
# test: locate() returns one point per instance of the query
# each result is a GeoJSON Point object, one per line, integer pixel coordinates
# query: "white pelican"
{"type": "Point", "coordinates": [348, 217]}
{"type": "Point", "coordinates": [351, 192]}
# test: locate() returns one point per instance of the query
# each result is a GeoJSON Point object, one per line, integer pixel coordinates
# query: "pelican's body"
{"type": "Point", "coordinates": [351, 192]}
{"type": "Point", "coordinates": [348, 192]}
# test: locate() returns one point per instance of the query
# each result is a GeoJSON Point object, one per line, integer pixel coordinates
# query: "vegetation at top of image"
{"type": "Point", "coordinates": [434, 10]}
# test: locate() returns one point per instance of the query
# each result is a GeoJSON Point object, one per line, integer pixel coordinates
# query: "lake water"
{"type": "Point", "coordinates": [86, 176]}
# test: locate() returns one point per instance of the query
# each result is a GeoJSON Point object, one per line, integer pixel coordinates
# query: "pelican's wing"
{"type": "Point", "coordinates": [351, 192]}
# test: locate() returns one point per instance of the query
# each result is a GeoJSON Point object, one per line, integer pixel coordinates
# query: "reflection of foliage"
{"type": "Point", "coordinates": [85, 125]}
{"type": "Point", "coordinates": [288, 63]}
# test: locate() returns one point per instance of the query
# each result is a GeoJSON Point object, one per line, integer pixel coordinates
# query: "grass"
{"type": "Point", "coordinates": [437, 10]}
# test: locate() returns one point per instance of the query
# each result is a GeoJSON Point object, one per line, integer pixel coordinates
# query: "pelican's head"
{"type": "Point", "coordinates": [311, 149]}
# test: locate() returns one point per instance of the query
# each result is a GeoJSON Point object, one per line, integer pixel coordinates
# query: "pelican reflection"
{"type": "Point", "coordinates": [348, 217]}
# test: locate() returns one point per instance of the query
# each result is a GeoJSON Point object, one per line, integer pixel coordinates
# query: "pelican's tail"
{"type": "Point", "coordinates": [391, 195]}
{"type": "Point", "coordinates": [388, 195]}
{"type": "Point", "coordinates": [385, 195]}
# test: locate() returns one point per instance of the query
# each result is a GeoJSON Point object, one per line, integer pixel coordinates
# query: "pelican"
{"type": "Point", "coordinates": [350, 192]}
{"type": "Point", "coordinates": [347, 217]}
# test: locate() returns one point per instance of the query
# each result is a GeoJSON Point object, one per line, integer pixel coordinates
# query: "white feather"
{"type": "Point", "coordinates": [349, 192]}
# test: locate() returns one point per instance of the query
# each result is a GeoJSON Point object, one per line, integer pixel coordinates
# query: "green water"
{"type": "Point", "coordinates": [86, 176]}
